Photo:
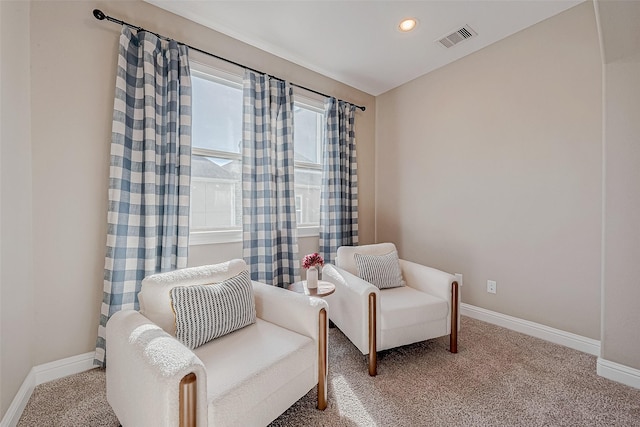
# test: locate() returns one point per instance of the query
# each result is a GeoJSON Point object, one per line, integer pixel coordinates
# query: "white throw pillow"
{"type": "Point", "coordinates": [383, 271]}
{"type": "Point", "coordinates": [206, 312]}
{"type": "Point", "coordinates": [154, 299]}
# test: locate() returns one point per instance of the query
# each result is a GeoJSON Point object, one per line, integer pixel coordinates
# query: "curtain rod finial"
{"type": "Point", "coordinates": [98, 14]}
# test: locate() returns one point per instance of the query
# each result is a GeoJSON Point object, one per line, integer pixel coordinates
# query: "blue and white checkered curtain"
{"type": "Point", "coordinates": [269, 233]}
{"type": "Point", "coordinates": [150, 173]}
{"type": "Point", "coordinates": [339, 194]}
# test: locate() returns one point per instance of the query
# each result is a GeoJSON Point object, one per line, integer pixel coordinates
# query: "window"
{"type": "Point", "coordinates": [216, 162]}
{"type": "Point", "coordinates": [307, 134]}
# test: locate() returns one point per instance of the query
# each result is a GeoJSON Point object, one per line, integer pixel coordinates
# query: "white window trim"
{"type": "Point", "coordinates": [234, 79]}
{"type": "Point", "coordinates": [213, 237]}
{"type": "Point", "coordinates": [206, 152]}
{"type": "Point", "coordinates": [317, 105]}
{"type": "Point", "coordinates": [213, 73]}
{"type": "Point", "coordinates": [308, 231]}
{"type": "Point", "coordinates": [309, 99]}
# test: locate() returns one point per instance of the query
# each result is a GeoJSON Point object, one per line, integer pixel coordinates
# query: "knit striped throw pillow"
{"type": "Point", "coordinates": [383, 271]}
{"type": "Point", "coordinates": [206, 312]}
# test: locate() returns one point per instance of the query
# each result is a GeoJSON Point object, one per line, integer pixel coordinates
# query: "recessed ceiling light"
{"type": "Point", "coordinates": [407, 25]}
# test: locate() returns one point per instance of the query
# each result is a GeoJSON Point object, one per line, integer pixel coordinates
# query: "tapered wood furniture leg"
{"type": "Point", "coordinates": [454, 318]}
{"type": "Point", "coordinates": [373, 356]}
{"type": "Point", "coordinates": [322, 360]}
{"type": "Point", "coordinates": [188, 390]}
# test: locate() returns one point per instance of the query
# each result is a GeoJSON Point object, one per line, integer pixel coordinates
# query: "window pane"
{"type": "Point", "coordinates": [216, 193]}
{"type": "Point", "coordinates": [217, 115]}
{"type": "Point", "coordinates": [307, 189]}
{"type": "Point", "coordinates": [307, 134]}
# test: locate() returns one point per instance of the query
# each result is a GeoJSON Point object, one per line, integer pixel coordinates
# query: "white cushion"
{"type": "Point", "coordinates": [155, 302]}
{"type": "Point", "coordinates": [405, 306]}
{"type": "Point", "coordinates": [245, 367]}
{"type": "Point", "coordinates": [345, 255]}
{"type": "Point", "coordinates": [206, 312]}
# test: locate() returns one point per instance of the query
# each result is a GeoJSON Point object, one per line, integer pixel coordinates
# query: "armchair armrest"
{"type": "Point", "coordinates": [347, 281]}
{"type": "Point", "coordinates": [427, 279]}
{"type": "Point", "coordinates": [288, 309]}
{"type": "Point", "coordinates": [145, 367]}
{"type": "Point", "coordinates": [302, 314]}
{"type": "Point", "coordinates": [438, 283]}
{"type": "Point", "coordinates": [349, 305]}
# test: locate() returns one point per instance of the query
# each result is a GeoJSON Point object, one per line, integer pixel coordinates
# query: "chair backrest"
{"type": "Point", "coordinates": [346, 261]}
{"type": "Point", "coordinates": [155, 302]}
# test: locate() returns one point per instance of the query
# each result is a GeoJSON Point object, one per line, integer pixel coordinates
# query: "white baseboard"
{"type": "Point", "coordinates": [63, 367]}
{"type": "Point", "coordinates": [619, 373]}
{"type": "Point", "coordinates": [12, 416]}
{"type": "Point", "coordinates": [41, 374]}
{"type": "Point", "coordinates": [567, 339]}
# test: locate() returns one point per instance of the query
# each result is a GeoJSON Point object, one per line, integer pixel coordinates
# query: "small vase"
{"type": "Point", "coordinates": [312, 278]}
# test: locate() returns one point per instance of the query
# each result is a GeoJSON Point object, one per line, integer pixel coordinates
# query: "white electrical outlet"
{"type": "Point", "coordinates": [459, 279]}
{"type": "Point", "coordinates": [491, 286]}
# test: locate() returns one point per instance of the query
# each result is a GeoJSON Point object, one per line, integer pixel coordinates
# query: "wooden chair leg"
{"type": "Point", "coordinates": [373, 356]}
{"type": "Point", "coordinates": [453, 343]}
{"type": "Point", "coordinates": [188, 400]}
{"type": "Point", "coordinates": [322, 360]}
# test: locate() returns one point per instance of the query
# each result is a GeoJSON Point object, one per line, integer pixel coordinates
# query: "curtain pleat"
{"type": "Point", "coordinates": [270, 243]}
{"type": "Point", "coordinates": [150, 172]}
{"type": "Point", "coordinates": [339, 193]}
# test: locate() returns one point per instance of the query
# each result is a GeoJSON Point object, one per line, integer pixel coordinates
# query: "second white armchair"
{"type": "Point", "coordinates": [376, 318]}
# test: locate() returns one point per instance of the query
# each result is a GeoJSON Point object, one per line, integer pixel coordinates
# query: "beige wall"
{"type": "Point", "coordinates": [16, 278]}
{"type": "Point", "coordinates": [491, 167]}
{"type": "Point", "coordinates": [73, 59]}
{"type": "Point", "coordinates": [621, 279]}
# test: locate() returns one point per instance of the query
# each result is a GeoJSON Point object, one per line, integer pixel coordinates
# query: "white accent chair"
{"type": "Point", "coordinates": [246, 378]}
{"type": "Point", "coordinates": [375, 320]}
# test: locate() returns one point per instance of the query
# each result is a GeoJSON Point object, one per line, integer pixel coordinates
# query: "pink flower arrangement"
{"type": "Point", "coordinates": [312, 260]}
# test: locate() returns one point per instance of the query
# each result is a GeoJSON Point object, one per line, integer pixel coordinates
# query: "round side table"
{"type": "Point", "coordinates": [323, 289]}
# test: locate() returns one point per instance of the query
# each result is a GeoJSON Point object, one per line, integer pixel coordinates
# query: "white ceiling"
{"type": "Point", "coordinates": [356, 42]}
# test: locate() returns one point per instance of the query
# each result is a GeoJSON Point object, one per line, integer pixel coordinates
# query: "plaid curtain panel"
{"type": "Point", "coordinates": [339, 194]}
{"type": "Point", "coordinates": [150, 173]}
{"type": "Point", "coordinates": [269, 233]}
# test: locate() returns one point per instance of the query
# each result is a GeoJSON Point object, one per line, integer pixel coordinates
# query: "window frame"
{"type": "Point", "coordinates": [305, 99]}
{"type": "Point", "coordinates": [213, 74]}
{"type": "Point", "coordinates": [316, 105]}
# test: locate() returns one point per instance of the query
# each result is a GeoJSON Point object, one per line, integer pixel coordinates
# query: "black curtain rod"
{"type": "Point", "coordinates": [101, 16]}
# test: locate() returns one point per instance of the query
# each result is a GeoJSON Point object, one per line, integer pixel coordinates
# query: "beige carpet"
{"type": "Point", "coordinates": [498, 378]}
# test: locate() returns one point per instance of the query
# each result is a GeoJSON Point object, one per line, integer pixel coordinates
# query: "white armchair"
{"type": "Point", "coordinates": [245, 378]}
{"type": "Point", "coordinates": [378, 319]}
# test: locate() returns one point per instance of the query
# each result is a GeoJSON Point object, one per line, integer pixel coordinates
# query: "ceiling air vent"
{"type": "Point", "coordinates": [458, 36]}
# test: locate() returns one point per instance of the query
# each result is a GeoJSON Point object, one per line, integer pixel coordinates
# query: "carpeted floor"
{"type": "Point", "coordinates": [498, 378]}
